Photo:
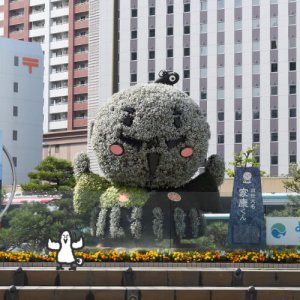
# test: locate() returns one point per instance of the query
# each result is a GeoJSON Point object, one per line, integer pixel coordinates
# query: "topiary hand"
{"type": "Point", "coordinates": [81, 164]}
{"type": "Point", "coordinates": [216, 167]}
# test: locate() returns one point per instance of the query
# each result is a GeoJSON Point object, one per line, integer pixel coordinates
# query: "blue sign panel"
{"type": "Point", "coordinates": [246, 225]}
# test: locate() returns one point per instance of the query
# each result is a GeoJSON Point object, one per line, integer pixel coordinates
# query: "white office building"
{"type": "Point", "coordinates": [237, 58]}
{"type": "Point", "coordinates": [21, 106]}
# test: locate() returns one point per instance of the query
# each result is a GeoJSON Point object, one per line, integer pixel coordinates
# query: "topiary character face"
{"type": "Point", "coordinates": [150, 136]}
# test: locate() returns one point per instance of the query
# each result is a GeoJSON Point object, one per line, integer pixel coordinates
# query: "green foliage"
{"type": "Point", "coordinates": [34, 224]}
{"type": "Point", "coordinates": [52, 175]}
{"type": "Point", "coordinates": [88, 189]}
{"type": "Point", "coordinates": [219, 231]}
{"type": "Point", "coordinates": [293, 184]}
{"type": "Point", "coordinates": [291, 209]}
{"type": "Point", "coordinates": [244, 159]}
{"type": "Point", "coordinates": [111, 198]}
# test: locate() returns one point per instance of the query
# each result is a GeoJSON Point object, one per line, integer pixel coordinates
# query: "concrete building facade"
{"type": "Point", "coordinates": [61, 27]}
{"type": "Point", "coordinates": [21, 109]}
{"type": "Point", "coordinates": [237, 59]}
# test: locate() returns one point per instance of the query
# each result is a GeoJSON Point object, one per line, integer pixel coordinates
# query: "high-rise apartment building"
{"type": "Point", "coordinates": [238, 59]}
{"type": "Point", "coordinates": [61, 27]}
{"type": "Point", "coordinates": [21, 119]}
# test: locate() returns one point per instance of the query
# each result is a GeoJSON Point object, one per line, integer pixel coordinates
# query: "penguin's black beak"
{"type": "Point", "coordinates": [65, 240]}
{"type": "Point", "coordinates": [153, 161]}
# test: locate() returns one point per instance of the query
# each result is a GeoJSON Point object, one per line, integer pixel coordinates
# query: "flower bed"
{"type": "Point", "coordinates": [268, 256]}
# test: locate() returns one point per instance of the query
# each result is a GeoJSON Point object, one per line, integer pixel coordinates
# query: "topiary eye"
{"type": "Point", "coordinates": [186, 152]}
{"type": "Point", "coordinates": [128, 120]}
{"type": "Point", "coordinates": [177, 122]}
{"type": "Point", "coordinates": [116, 149]}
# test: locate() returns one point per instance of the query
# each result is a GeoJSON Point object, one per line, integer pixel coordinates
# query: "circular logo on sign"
{"type": "Point", "coordinates": [247, 176]}
{"type": "Point", "coordinates": [174, 196]}
{"type": "Point", "coordinates": [278, 230]}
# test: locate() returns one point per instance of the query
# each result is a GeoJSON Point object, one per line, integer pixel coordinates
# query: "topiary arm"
{"type": "Point", "coordinates": [216, 167]}
{"type": "Point", "coordinates": [81, 164]}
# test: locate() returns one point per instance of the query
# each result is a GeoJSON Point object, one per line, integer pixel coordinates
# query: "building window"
{"type": "Point", "coordinates": [292, 66]}
{"type": "Point", "coordinates": [186, 73]}
{"type": "Point", "coordinates": [238, 138]}
{"type": "Point", "coordinates": [274, 90]}
{"type": "Point", "coordinates": [274, 113]}
{"type": "Point", "coordinates": [203, 95]}
{"type": "Point", "coordinates": [221, 26]}
{"type": "Point", "coordinates": [220, 4]}
{"type": "Point", "coordinates": [133, 55]}
{"type": "Point", "coordinates": [273, 44]}
{"type": "Point", "coordinates": [274, 136]}
{"type": "Point", "coordinates": [255, 2]}
{"type": "Point", "coordinates": [15, 135]}
{"type": "Point", "coordinates": [134, 13]}
{"type": "Point", "coordinates": [56, 148]}
{"type": "Point", "coordinates": [238, 47]}
{"type": "Point", "coordinates": [238, 93]}
{"type": "Point", "coordinates": [255, 137]}
{"type": "Point", "coordinates": [170, 9]}
{"type": "Point", "coordinates": [152, 32]}
{"type": "Point", "coordinates": [274, 160]}
{"type": "Point", "coordinates": [238, 70]}
{"type": "Point", "coordinates": [16, 60]}
{"type": "Point", "coordinates": [292, 89]}
{"type": "Point", "coordinates": [257, 158]}
{"type": "Point", "coordinates": [273, 2]}
{"type": "Point", "coordinates": [293, 159]}
{"type": "Point", "coordinates": [220, 116]}
{"type": "Point", "coordinates": [293, 113]}
{"type": "Point", "coordinates": [15, 111]}
{"type": "Point", "coordinates": [186, 29]}
{"type": "Point", "coordinates": [293, 135]}
{"type": "Point", "coordinates": [203, 73]}
{"type": "Point", "coordinates": [15, 161]}
{"type": "Point", "coordinates": [186, 51]}
{"type": "Point", "coordinates": [255, 115]}
{"type": "Point", "coordinates": [256, 91]}
{"type": "Point", "coordinates": [203, 28]}
{"type": "Point", "coordinates": [238, 25]}
{"type": "Point", "coordinates": [238, 3]}
{"type": "Point", "coordinates": [186, 7]}
{"type": "Point", "coordinates": [133, 77]}
{"type": "Point", "coordinates": [170, 53]}
{"type": "Point", "coordinates": [220, 71]}
{"type": "Point", "coordinates": [292, 42]}
{"type": "Point", "coordinates": [255, 23]}
{"type": "Point", "coordinates": [292, 19]}
{"type": "Point", "coordinates": [274, 67]}
{"type": "Point", "coordinates": [16, 87]}
{"type": "Point", "coordinates": [274, 21]}
{"type": "Point", "coordinates": [220, 138]}
{"type": "Point", "coordinates": [133, 34]}
{"type": "Point", "coordinates": [151, 11]}
{"type": "Point", "coordinates": [203, 50]}
{"type": "Point", "coordinates": [220, 94]}
{"type": "Point", "coordinates": [151, 76]}
{"type": "Point", "coordinates": [170, 31]}
{"type": "Point", "coordinates": [220, 49]}
{"type": "Point", "coordinates": [238, 115]}
{"type": "Point", "coordinates": [256, 69]}
{"type": "Point", "coordinates": [203, 5]}
{"type": "Point", "coordinates": [151, 54]}
{"type": "Point", "coordinates": [255, 45]}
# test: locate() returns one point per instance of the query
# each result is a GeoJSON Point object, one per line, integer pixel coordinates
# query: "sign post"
{"type": "Point", "coordinates": [246, 224]}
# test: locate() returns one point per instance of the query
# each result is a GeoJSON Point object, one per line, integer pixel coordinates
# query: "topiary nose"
{"type": "Point", "coordinates": [153, 161]}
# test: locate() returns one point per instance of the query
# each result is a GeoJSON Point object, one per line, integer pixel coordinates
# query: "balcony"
{"type": "Point", "coordinates": [79, 8]}
{"type": "Point", "coordinates": [16, 20]}
{"type": "Point", "coordinates": [59, 92]}
{"type": "Point", "coordinates": [58, 44]}
{"type": "Point", "coordinates": [81, 24]}
{"type": "Point", "coordinates": [80, 73]}
{"type": "Point", "coordinates": [16, 5]}
{"type": "Point", "coordinates": [80, 89]}
{"type": "Point", "coordinates": [59, 60]}
{"type": "Point", "coordinates": [80, 56]}
{"type": "Point", "coordinates": [58, 108]}
{"type": "Point", "coordinates": [60, 12]}
{"type": "Point", "coordinates": [59, 28]}
{"type": "Point", "coordinates": [36, 2]}
{"type": "Point", "coordinates": [59, 76]}
{"type": "Point", "coordinates": [37, 16]}
{"type": "Point", "coordinates": [79, 123]}
{"type": "Point", "coordinates": [78, 106]}
{"type": "Point", "coordinates": [81, 40]}
{"type": "Point", "coordinates": [34, 32]}
{"type": "Point", "coordinates": [54, 125]}
{"type": "Point", "coordinates": [17, 35]}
